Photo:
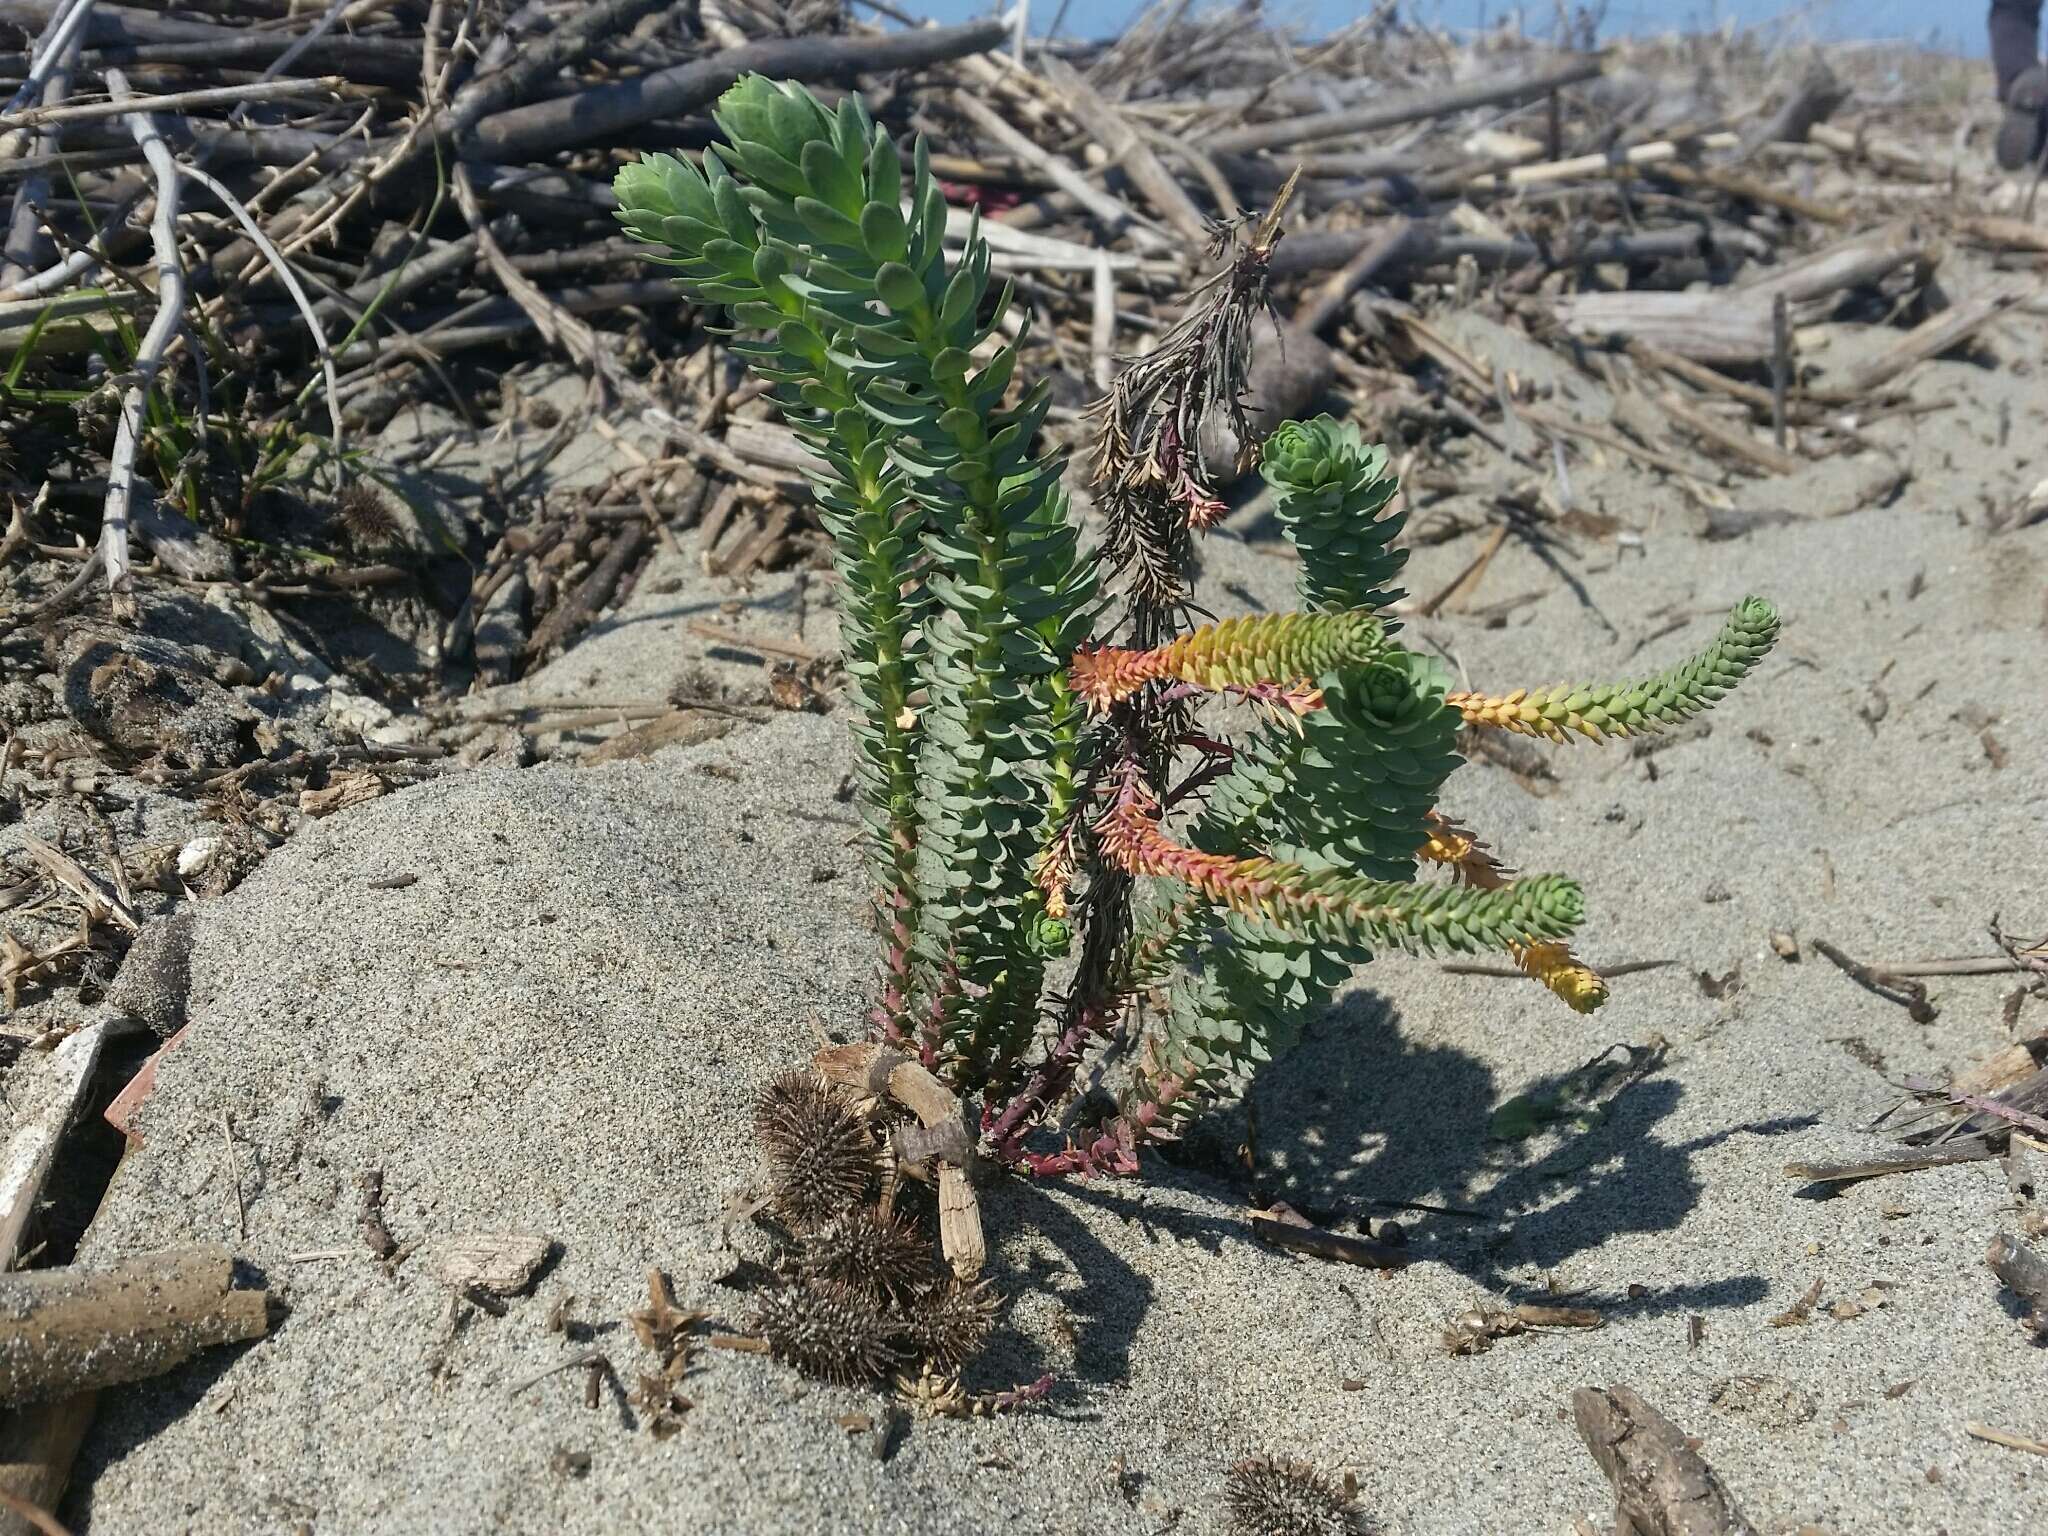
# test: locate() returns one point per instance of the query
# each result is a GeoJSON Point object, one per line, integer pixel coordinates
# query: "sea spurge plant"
{"type": "Point", "coordinates": [1036, 777]}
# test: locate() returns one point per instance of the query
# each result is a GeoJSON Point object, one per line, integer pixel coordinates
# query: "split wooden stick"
{"type": "Point", "coordinates": [875, 1070]}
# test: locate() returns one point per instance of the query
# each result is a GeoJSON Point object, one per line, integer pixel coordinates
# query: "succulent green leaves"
{"type": "Point", "coordinates": [885, 356]}
{"type": "Point", "coordinates": [1330, 492]}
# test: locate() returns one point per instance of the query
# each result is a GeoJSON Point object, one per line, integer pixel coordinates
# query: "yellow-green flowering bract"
{"type": "Point", "coordinates": [1267, 648]}
{"type": "Point", "coordinates": [1597, 711]}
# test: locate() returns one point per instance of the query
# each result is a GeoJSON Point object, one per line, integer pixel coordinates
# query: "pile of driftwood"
{"type": "Point", "coordinates": [243, 234]}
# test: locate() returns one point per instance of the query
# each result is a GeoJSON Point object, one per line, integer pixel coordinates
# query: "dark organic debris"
{"type": "Point", "coordinates": [1662, 1486]}
{"type": "Point", "coordinates": [1474, 1330]}
{"type": "Point", "coordinates": [1906, 991]}
{"type": "Point", "coordinates": [1285, 1227]}
{"type": "Point", "coordinates": [2024, 1273]}
{"type": "Point", "coordinates": [365, 515]}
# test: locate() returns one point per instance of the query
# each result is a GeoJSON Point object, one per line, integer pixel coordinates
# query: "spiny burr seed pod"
{"type": "Point", "coordinates": [950, 1323]}
{"type": "Point", "coordinates": [365, 514]}
{"type": "Point", "coordinates": [816, 1147]}
{"type": "Point", "coordinates": [835, 1332]}
{"type": "Point", "coordinates": [864, 1248]}
{"type": "Point", "coordinates": [1265, 1496]}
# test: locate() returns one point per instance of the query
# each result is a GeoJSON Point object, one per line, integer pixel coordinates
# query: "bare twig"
{"type": "Point", "coordinates": [156, 341]}
{"type": "Point", "coordinates": [1902, 1162]}
{"type": "Point", "coordinates": [290, 279]}
{"type": "Point", "coordinates": [178, 101]}
{"type": "Point", "coordinates": [2005, 1437]}
{"type": "Point", "coordinates": [58, 42]}
{"type": "Point", "coordinates": [23, 244]}
{"type": "Point", "coordinates": [1904, 990]}
{"type": "Point", "coordinates": [227, 1131]}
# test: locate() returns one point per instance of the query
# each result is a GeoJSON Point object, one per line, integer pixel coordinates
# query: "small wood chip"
{"type": "Point", "coordinates": [498, 1263]}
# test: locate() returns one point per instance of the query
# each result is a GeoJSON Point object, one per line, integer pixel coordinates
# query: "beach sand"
{"type": "Point", "coordinates": [558, 1027]}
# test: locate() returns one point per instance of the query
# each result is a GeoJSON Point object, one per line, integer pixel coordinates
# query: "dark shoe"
{"type": "Point", "coordinates": [2019, 136]}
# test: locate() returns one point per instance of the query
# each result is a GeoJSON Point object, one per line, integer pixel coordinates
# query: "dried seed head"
{"type": "Point", "coordinates": [950, 1324]}
{"type": "Point", "coordinates": [864, 1248]}
{"type": "Point", "coordinates": [818, 1150]}
{"type": "Point", "coordinates": [828, 1330]}
{"type": "Point", "coordinates": [365, 515]}
{"type": "Point", "coordinates": [1266, 1496]}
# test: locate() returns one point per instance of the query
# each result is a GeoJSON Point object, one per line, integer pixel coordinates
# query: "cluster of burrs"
{"type": "Point", "coordinates": [859, 1295]}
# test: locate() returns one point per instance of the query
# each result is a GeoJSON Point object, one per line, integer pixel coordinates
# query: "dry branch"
{"type": "Point", "coordinates": [1936, 335]}
{"type": "Point", "coordinates": [48, 82]}
{"type": "Point", "coordinates": [156, 341]}
{"type": "Point", "coordinates": [1411, 107]}
{"type": "Point", "coordinates": [546, 126]}
{"type": "Point", "coordinates": [1128, 149]}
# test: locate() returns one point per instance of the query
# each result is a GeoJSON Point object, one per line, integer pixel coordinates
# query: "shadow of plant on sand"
{"type": "Point", "coordinates": [1364, 1120]}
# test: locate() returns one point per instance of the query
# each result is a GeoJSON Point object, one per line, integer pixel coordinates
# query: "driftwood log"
{"type": "Point", "coordinates": [1662, 1487]}
{"type": "Point", "coordinates": [1430, 245]}
{"type": "Point", "coordinates": [66, 1331]}
{"type": "Point", "coordinates": [545, 126]}
{"type": "Point", "coordinates": [1853, 263]}
{"type": "Point", "coordinates": [1409, 107]}
{"type": "Point", "coordinates": [1717, 327]}
{"type": "Point", "coordinates": [1939, 334]}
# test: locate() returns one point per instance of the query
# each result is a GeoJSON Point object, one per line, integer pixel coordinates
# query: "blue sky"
{"type": "Point", "coordinates": [1958, 29]}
